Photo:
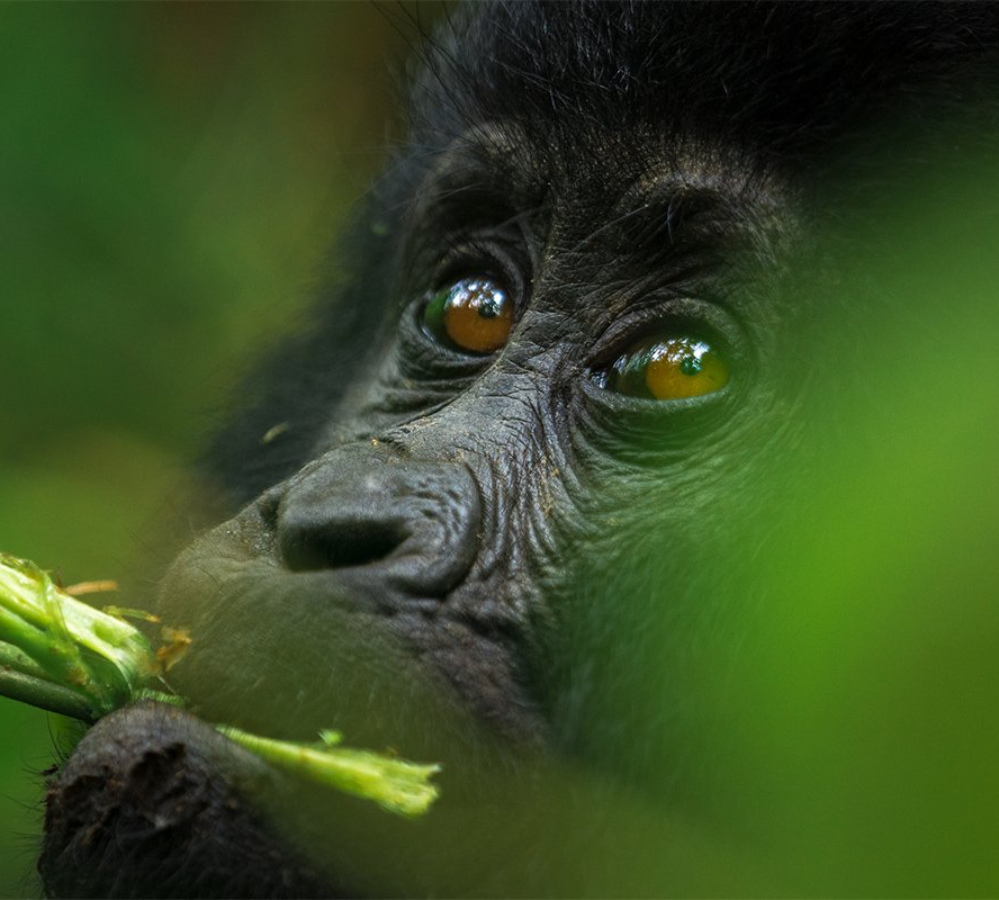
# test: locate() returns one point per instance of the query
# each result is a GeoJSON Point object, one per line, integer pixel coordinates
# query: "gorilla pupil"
{"type": "Point", "coordinates": [690, 365]}
{"type": "Point", "coordinates": [489, 308]}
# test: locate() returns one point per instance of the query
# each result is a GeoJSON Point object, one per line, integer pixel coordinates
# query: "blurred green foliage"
{"type": "Point", "coordinates": [170, 176]}
{"type": "Point", "coordinates": [860, 693]}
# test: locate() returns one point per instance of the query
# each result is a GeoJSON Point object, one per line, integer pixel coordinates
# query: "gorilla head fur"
{"type": "Point", "coordinates": [481, 552]}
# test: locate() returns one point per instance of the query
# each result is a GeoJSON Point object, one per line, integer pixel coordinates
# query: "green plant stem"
{"type": "Point", "coordinates": [52, 697]}
{"type": "Point", "coordinates": [67, 643]}
{"type": "Point", "coordinates": [396, 785]}
{"type": "Point", "coordinates": [13, 658]}
{"type": "Point", "coordinates": [64, 656]}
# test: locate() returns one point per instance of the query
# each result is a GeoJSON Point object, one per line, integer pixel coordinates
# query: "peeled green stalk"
{"type": "Point", "coordinates": [71, 658]}
{"type": "Point", "coordinates": [395, 784]}
{"type": "Point", "coordinates": [63, 655]}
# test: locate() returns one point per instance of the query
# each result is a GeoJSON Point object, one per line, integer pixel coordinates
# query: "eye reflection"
{"type": "Point", "coordinates": [473, 315]}
{"type": "Point", "coordinates": [667, 368]}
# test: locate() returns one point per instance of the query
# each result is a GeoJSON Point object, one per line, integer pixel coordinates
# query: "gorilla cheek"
{"type": "Point", "coordinates": [327, 604]}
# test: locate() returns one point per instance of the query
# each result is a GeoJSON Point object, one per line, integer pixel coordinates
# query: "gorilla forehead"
{"type": "Point", "coordinates": [782, 78]}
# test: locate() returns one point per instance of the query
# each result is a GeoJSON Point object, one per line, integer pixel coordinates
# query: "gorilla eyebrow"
{"type": "Point", "coordinates": [476, 163]}
{"type": "Point", "coordinates": [674, 223]}
{"type": "Point", "coordinates": [668, 216]}
{"type": "Point", "coordinates": [698, 213]}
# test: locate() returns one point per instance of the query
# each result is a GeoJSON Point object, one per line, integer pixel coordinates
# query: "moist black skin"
{"type": "Point", "coordinates": [463, 556]}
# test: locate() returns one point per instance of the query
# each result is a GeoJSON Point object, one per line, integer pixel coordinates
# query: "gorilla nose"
{"type": "Point", "coordinates": [396, 524]}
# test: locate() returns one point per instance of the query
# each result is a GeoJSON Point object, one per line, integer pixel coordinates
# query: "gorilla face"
{"type": "Point", "coordinates": [499, 506]}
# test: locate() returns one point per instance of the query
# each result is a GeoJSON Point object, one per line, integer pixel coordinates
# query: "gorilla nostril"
{"type": "Point", "coordinates": [305, 548]}
{"type": "Point", "coordinates": [402, 527]}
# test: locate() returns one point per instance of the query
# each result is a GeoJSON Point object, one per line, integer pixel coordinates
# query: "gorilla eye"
{"type": "Point", "coordinates": [668, 368]}
{"type": "Point", "coordinates": [472, 315]}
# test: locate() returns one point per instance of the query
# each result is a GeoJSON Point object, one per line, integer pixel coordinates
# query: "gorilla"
{"type": "Point", "coordinates": [619, 376]}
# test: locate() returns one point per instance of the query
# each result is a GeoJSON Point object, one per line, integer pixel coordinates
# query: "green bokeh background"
{"type": "Point", "coordinates": [170, 176]}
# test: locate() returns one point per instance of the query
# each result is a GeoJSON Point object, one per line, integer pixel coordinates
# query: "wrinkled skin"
{"type": "Point", "coordinates": [480, 559]}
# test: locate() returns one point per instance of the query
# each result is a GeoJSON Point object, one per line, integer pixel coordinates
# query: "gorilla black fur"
{"type": "Point", "coordinates": [782, 89]}
{"type": "Point", "coordinates": [451, 552]}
